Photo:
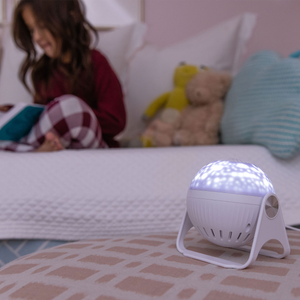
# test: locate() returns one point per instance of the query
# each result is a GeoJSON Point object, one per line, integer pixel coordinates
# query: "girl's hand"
{"type": "Point", "coordinates": [5, 108]}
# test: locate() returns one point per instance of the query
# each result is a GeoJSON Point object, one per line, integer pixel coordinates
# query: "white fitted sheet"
{"type": "Point", "coordinates": [71, 195]}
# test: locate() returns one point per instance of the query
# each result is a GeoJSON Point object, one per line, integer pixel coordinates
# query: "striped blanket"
{"type": "Point", "coordinates": [263, 105]}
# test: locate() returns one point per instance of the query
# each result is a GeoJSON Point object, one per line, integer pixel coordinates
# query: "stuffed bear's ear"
{"type": "Point", "coordinates": [203, 67]}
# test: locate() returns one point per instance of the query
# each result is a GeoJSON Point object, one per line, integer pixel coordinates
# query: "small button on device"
{"type": "Point", "coordinates": [271, 207]}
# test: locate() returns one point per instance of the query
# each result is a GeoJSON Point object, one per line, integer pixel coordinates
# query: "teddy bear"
{"type": "Point", "coordinates": [164, 111]}
{"type": "Point", "coordinates": [199, 122]}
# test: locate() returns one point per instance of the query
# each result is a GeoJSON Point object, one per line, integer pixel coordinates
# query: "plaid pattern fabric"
{"type": "Point", "coordinates": [71, 119]}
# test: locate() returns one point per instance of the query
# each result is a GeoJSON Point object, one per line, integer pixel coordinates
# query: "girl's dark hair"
{"type": "Point", "coordinates": [65, 19]}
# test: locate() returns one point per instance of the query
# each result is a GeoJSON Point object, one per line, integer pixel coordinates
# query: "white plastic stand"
{"type": "Point", "coordinates": [267, 228]}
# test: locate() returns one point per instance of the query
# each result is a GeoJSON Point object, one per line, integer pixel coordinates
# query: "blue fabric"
{"type": "Point", "coordinates": [263, 105]}
{"type": "Point", "coordinates": [13, 249]}
{"type": "Point", "coordinates": [295, 54]}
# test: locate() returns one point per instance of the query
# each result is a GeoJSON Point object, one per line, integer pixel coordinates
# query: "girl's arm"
{"type": "Point", "coordinates": [110, 109]}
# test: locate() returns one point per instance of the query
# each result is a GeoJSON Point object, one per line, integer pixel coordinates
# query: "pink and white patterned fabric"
{"type": "Point", "coordinates": [148, 267]}
{"type": "Point", "coordinates": [71, 119]}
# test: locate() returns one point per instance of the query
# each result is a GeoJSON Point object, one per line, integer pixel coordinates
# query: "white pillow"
{"type": "Point", "coordinates": [11, 89]}
{"type": "Point", "coordinates": [117, 45]}
{"type": "Point", "coordinates": [151, 69]}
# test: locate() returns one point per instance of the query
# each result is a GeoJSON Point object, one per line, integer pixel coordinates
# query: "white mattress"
{"type": "Point", "coordinates": [73, 195]}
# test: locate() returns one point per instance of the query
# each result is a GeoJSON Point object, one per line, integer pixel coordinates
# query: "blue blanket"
{"type": "Point", "coordinates": [13, 249]}
{"type": "Point", "coordinates": [263, 105]}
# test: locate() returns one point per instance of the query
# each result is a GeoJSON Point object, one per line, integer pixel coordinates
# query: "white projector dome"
{"type": "Point", "coordinates": [224, 199]}
{"type": "Point", "coordinates": [232, 177]}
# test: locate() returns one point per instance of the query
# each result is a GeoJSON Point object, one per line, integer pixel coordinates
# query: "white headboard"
{"type": "Point", "coordinates": [101, 13]}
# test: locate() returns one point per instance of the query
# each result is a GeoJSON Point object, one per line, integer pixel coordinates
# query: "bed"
{"type": "Point", "coordinates": [123, 192]}
{"type": "Point", "coordinates": [90, 194]}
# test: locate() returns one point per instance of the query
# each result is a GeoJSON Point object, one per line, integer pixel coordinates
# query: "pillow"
{"type": "Point", "coordinates": [263, 105]}
{"type": "Point", "coordinates": [151, 69]}
{"type": "Point", "coordinates": [11, 89]}
{"type": "Point", "coordinates": [117, 45]}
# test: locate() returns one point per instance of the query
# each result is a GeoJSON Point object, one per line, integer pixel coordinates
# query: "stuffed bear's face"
{"type": "Point", "coordinates": [207, 87]}
{"type": "Point", "coordinates": [200, 96]}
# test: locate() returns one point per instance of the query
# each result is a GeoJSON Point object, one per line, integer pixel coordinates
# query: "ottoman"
{"type": "Point", "coordinates": [149, 267]}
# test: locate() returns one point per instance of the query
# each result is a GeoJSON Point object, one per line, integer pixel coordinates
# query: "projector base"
{"type": "Point", "coordinates": [269, 226]}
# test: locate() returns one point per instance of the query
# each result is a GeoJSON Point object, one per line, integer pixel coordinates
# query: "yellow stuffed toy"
{"type": "Point", "coordinates": [169, 105]}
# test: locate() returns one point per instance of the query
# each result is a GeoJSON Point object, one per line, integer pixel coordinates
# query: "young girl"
{"type": "Point", "coordinates": [83, 97]}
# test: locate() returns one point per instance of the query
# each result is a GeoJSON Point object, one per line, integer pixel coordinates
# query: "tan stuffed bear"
{"type": "Point", "coordinates": [199, 123]}
{"type": "Point", "coordinates": [159, 132]}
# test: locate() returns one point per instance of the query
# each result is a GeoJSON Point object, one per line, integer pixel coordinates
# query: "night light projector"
{"type": "Point", "coordinates": [232, 204]}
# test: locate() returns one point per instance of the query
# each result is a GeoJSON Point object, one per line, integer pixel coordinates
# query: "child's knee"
{"type": "Point", "coordinates": [68, 104]}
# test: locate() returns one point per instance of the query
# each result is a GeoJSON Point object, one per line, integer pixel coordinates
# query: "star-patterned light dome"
{"type": "Point", "coordinates": [232, 177]}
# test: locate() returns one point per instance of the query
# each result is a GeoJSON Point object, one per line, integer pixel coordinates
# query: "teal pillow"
{"type": "Point", "coordinates": [263, 105]}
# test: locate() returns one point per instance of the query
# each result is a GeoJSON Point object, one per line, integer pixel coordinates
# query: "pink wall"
{"type": "Point", "coordinates": [278, 23]}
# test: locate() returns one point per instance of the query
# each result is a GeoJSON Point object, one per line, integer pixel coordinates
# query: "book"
{"type": "Point", "coordinates": [18, 121]}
